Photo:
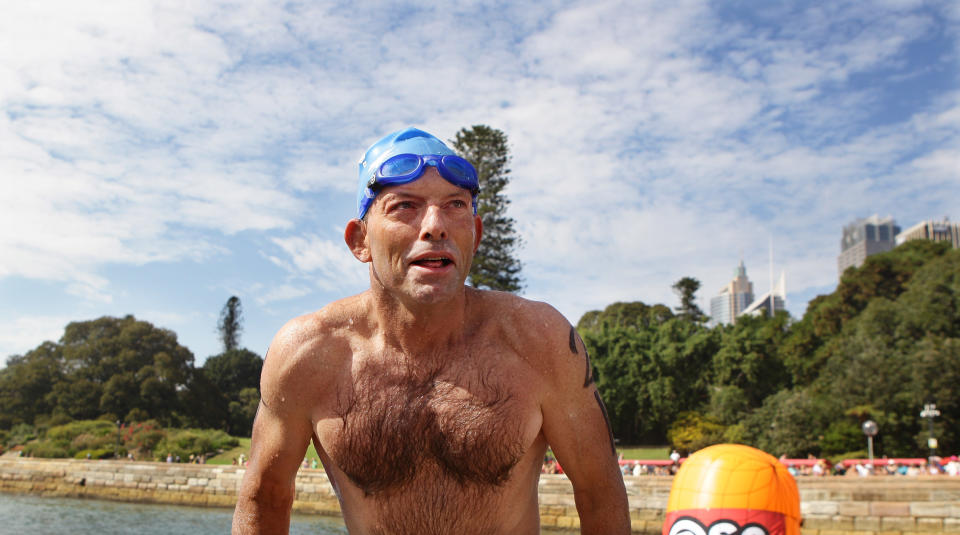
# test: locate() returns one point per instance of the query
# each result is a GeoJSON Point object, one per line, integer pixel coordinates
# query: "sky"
{"type": "Point", "coordinates": [158, 157]}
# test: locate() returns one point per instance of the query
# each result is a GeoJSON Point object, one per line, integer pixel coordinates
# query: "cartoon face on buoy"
{"type": "Point", "coordinates": [731, 489]}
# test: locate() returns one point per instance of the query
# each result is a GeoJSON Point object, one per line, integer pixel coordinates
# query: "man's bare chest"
{"type": "Point", "coordinates": [466, 423]}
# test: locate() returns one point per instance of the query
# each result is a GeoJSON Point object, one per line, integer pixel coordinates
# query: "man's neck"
{"type": "Point", "coordinates": [420, 329]}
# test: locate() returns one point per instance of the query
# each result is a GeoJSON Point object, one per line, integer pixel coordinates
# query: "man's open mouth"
{"type": "Point", "coordinates": [437, 262]}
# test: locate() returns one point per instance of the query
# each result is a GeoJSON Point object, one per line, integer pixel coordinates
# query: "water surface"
{"type": "Point", "coordinates": [24, 513]}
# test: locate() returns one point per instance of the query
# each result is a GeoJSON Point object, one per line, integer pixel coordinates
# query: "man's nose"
{"type": "Point", "coordinates": [433, 227]}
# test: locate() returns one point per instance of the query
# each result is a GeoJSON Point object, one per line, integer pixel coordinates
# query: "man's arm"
{"type": "Point", "coordinates": [577, 427]}
{"type": "Point", "coordinates": [281, 433]}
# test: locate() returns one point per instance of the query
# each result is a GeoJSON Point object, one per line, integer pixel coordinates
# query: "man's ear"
{"type": "Point", "coordinates": [478, 224]}
{"type": "Point", "coordinates": [356, 237]}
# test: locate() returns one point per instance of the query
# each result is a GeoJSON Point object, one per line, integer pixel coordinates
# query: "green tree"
{"type": "Point", "coordinates": [749, 358]}
{"type": "Point", "coordinates": [243, 410]}
{"type": "Point", "coordinates": [118, 368]}
{"type": "Point", "coordinates": [686, 289]}
{"type": "Point", "coordinates": [495, 265]}
{"type": "Point", "coordinates": [885, 275]}
{"type": "Point", "coordinates": [25, 383]}
{"type": "Point", "coordinates": [230, 324]}
{"type": "Point", "coordinates": [650, 366]}
{"type": "Point", "coordinates": [236, 374]}
{"type": "Point", "coordinates": [789, 423]}
{"type": "Point", "coordinates": [234, 370]}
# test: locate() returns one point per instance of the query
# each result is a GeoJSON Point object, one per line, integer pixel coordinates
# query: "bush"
{"type": "Point", "coordinates": [92, 428]}
{"type": "Point", "coordinates": [692, 431]}
{"type": "Point", "coordinates": [20, 434]}
{"type": "Point", "coordinates": [143, 437]}
{"type": "Point", "coordinates": [45, 449]}
{"type": "Point", "coordinates": [196, 442]}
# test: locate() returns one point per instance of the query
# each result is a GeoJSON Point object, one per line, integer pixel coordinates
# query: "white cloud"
{"type": "Point", "coordinates": [329, 264]}
{"type": "Point", "coordinates": [282, 293]}
{"type": "Point", "coordinates": [650, 141]}
{"type": "Point", "coordinates": [26, 332]}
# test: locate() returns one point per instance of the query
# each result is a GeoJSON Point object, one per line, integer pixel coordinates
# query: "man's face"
{"type": "Point", "coordinates": [421, 238]}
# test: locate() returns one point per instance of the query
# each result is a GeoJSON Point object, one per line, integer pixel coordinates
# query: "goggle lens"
{"type": "Point", "coordinates": [459, 168]}
{"type": "Point", "coordinates": [400, 165]}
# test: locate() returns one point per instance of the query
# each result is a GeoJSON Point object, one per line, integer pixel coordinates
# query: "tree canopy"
{"type": "Point", "coordinates": [114, 368]}
{"type": "Point", "coordinates": [236, 373]}
{"type": "Point", "coordinates": [884, 343]}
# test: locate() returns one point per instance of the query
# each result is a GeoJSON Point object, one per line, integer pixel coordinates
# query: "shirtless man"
{"type": "Point", "coordinates": [430, 403]}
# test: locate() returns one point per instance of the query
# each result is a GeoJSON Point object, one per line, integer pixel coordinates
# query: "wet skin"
{"type": "Point", "coordinates": [431, 404]}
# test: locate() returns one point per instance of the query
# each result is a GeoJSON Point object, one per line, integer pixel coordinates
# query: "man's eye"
{"type": "Point", "coordinates": [459, 204]}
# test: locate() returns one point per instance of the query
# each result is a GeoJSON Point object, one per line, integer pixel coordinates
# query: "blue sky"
{"type": "Point", "coordinates": [158, 157]}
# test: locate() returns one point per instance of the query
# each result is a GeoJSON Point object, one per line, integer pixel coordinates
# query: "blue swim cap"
{"type": "Point", "coordinates": [407, 141]}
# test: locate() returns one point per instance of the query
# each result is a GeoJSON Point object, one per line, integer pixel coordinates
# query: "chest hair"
{"type": "Point", "coordinates": [459, 429]}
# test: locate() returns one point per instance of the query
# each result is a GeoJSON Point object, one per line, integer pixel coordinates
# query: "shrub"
{"type": "Point", "coordinates": [21, 434]}
{"type": "Point", "coordinates": [143, 437]}
{"type": "Point", "coordinates": [196, 442]}
{"type": "Point", "coordinates": [87, 441]}
{"type": "Point", "coordinates": [692, 431]}
{"type": "Point", "coordinates": [92, 428]}
{"type": "Point", "coordinates": [45, 449]}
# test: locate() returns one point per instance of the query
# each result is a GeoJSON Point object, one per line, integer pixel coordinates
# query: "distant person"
{"type": "Point", "coordinates": [431, 404]}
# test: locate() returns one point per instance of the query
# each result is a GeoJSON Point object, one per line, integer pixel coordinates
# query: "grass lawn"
{"type": "Point", "coordinates": [228, 456]}
{"type": "Point", "coordinates": [645, 452]}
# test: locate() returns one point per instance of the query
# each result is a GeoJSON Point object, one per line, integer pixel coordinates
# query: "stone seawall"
{"type": "Point", "coordinates": [831, 506]}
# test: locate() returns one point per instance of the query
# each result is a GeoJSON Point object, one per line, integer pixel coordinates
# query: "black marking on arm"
{"type": "Point", "coordinates": [588, 377]}
{"type": "Point", "coordinates": [606, 419]}
{"type": "Point", "coordinates": [574, 337]}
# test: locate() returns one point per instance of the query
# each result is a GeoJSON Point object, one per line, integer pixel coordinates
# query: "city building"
{"type": "Point", "coordinates": [932, 230]}
{"type": "Point", "coordinates": [865, 237]}
{"type": "Point", "coordinates": [762, 305]}
{"type": "Point", "coordinates": [733, 299]}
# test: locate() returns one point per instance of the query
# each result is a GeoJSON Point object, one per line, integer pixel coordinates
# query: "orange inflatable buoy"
{"type": "Point", "coordinates": [731, 489]}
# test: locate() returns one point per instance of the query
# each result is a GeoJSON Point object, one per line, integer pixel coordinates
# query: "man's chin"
{"type": "Point", "coordinates": [430, 294]}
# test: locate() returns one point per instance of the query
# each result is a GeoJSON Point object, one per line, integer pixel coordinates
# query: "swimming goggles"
{"type": "Point", "coordinates": [405, 168]}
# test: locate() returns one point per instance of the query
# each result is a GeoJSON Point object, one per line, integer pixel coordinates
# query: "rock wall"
{"type": "Point", "coordinates": [830, 506]}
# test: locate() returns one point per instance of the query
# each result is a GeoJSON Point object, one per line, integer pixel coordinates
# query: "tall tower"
{"type": "Point", "coordinates": [733, 299]}
{"type": "Point", "coordinates": [865, 237]}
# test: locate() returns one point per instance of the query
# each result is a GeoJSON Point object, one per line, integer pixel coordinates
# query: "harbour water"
{"type": "Point", "coordinates": [24, 513]}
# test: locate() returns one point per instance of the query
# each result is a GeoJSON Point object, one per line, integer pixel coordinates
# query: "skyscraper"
{"type": "Point", "coordinates": [865, 237]}
{"type": "Point", "coordinates": [733, 299]}
{"type": "Point", "coordinates": [934, 231]}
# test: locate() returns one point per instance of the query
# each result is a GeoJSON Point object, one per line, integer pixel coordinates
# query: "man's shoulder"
{"type": "Point", "coordinates": [512, 307]}
{"type": "Point", "coordinates": [524, 320]}
{"type": "Point", "coordinates": [329, 321]}
{"type": "Point", "coordinates": [318, 336]}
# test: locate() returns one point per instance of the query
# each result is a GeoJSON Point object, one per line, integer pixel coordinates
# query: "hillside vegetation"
{"type": "Point", "coordinates": [883, 344]}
